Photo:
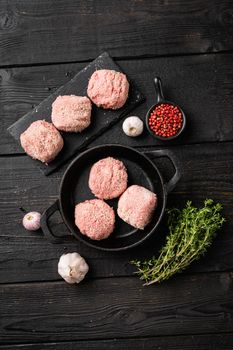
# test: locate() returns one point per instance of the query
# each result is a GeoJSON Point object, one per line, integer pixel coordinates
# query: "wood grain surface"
{"type": "Point", "coordinates": [188, 43]}
{"type": "Point", "coordinates": [184, 342]}
{"type": "Point", "coordinates": [116, 308]}
{"type": "Point", "coordinates": [202, 85]}
{"type": "Point", "coordinates": [64, 31]}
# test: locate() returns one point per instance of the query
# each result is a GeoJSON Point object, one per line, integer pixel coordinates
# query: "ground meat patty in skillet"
{"type": "Point", "coordinates": [95, 219]}
{"type": "Point", "coordinates": [71, 113]}
{"type": "Point", "coordinates": [41, 141]}
{"type": "Point", "coordinates": [108, 178]}
{"type": "Point", "coordinates": [108, 89]}
{"type": "Point", "coordinates": [136, 206]}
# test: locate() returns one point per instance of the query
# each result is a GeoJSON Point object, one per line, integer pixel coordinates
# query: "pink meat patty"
{"type": "Point", "coordinates": [108, 88]}
{"type": "Point", "coordinates": [95, 219]}
{"type": "Point", "coordinates": [108, 178]}
{"type": "Point", "coordinates": [42, 141]}
{"type": "Point", "coordinates": [71, 113]}
{"type": "Point", "coordinates": [136, 206]}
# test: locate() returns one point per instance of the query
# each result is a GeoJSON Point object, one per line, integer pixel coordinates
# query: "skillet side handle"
{"type": "Point", "coordinates": [45, 223]}
{"type": "Point", "coordinates": [170, 185]}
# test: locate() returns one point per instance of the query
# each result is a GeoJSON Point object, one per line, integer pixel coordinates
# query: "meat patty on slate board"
{"type": "Point", "coordinates": [101, 119]}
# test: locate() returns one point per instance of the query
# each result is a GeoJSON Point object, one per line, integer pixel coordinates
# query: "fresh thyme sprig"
{"type": "Point", "coordinates": [191, 232]}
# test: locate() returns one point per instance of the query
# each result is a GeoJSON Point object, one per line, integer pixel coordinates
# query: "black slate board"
{"type": "Point", "coordinates": [101, 119]}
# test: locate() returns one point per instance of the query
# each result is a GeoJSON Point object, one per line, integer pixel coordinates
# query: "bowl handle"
{"type": "Point", "coordinates": [158, 89]}
{"type": "Point", "coordinates": [48, 233]}
{"type": "Point", "coordinates": [169, 186]}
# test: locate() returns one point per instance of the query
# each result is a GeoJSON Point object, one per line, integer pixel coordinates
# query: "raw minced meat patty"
{"type": "Point", "coordinates": [136, 206]}
{"type": "Point", "coordinates": [108, 88]}
{"type": "Point", "coordinates": [41, 141]}
{"type": "Point", "coordinates": [95, 219]}
{"type": "Point", "coordinates": [108, 178]}
{"type": "Point", "coordinates": [71, 113]}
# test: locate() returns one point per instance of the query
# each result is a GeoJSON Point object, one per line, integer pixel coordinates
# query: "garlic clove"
{"type": "Point", "coordinates": [133, 126]}
{"type": "Point", "coordinates": [72, 267]}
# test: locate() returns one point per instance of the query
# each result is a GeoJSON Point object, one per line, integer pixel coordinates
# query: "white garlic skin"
{"type": "Point", "coordinates": [72, 267]}
{"type": "Point", "coordinates": [133, 126]}
{"type": "Point", "coordinates": [31, 221]}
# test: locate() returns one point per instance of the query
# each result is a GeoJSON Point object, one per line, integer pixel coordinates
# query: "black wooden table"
{"type": "Point", "coordinates": [189, 45]}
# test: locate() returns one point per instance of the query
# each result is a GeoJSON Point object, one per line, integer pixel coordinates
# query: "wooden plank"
{"type": "Point", "coordinates": [192, 81]}
{"type": "Point", "coordinates": [38, 32]}
{"type": "Point", "coordinates": [100, 309]}
{"type": "Point", "coordinates": [189, 342]}
{"type": "Point", "coordinates": [206, 172]}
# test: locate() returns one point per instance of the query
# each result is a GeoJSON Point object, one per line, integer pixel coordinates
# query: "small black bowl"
{"type": "Point", "coordinates": [161, 100]}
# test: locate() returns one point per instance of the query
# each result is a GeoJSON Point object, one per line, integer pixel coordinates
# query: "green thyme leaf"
{"type": "Point", "coordinates": [191, 232]}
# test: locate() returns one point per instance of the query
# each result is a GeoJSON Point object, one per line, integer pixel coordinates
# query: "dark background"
{"type": "Point", "coordinates": [189, 44]}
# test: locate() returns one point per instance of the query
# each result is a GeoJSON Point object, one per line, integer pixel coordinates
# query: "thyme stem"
{"type": "Point", "coordinates": [191, 232]}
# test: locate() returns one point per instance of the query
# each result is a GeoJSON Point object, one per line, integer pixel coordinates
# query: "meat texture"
{"type": "Point", "coordinates": [95, 219]}
{"type": "Point", "coordinates": [108, 178]}
{"type": "Point", "coordinates": [71, 113]}
{"type": "Point", "coordinates": [42, 141]}
{"type": "Point", "coordinates": [136, 206]}
{"type": "Point", "coordinates": [108, 89]}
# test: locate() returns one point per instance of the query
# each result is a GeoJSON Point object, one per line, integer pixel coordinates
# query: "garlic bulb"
{"type": "Point", "coordinates": [31, 221]}
{"type": "Point", "coordinates": [72, 267]}
{"type": "Point", "coordinates": [133, 126]}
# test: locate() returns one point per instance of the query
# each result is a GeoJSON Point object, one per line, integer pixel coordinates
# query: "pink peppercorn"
{"type": "Point", "coordinates": [165, 120]}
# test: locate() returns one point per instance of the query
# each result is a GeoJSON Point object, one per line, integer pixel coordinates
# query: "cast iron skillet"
{"type": "Point", "coordinates": [74, 189]}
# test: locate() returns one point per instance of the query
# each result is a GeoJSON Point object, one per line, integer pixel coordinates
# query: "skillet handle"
{"type": "Point", "coordinates": [158, 89]}
{"type": "Point", "coordinates": [169, 186]}
{"type": "Point", "coordinates": [48, 233]}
